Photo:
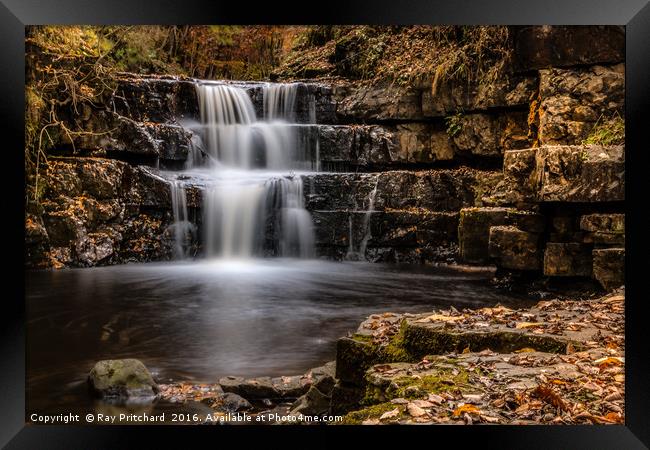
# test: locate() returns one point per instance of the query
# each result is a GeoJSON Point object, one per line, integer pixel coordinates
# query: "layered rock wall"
{"type": "Point", "coordinates": [485, 171]}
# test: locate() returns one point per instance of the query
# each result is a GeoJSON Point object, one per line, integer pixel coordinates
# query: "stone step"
{"type": "Point", "coordinates": [565, 173]}
{"type": "Point", "coordinates": [435, 189]}
{"type": "Point", "coordinates": [169, 99]}
{"type": "Point", "coordinates": [496, 388]}
{"type": "Point", "coordinates": [555, 326]}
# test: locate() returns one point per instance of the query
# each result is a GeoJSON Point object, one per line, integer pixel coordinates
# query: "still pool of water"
{"type": "Point", "coordinates": [203, 320]}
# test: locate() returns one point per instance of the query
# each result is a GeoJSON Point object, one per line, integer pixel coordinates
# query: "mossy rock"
{"type": "Point", "coordinates": [445, 377]}
{"type": "Point", "coordinates": [356, 354]}
{"type": "Point", "coordinates": [122, 379]}
{"type": "Point", "coordinates": [425, 339]}
{"type": "Point", "coordinates": [371, 412]}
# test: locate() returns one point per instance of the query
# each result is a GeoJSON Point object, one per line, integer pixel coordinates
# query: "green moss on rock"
{"type": "Point", "coordinates": [370, 412]}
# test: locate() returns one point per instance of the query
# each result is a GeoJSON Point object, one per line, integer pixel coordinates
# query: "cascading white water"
{"type": "Point", "coordinates": [253, 202]}
{"type": "Point", "coordinates": [295, 225]}
{"type": "Point", "coordinates": [183, 229]}
{"type": "Point", "coordinates": [366, 219]}
{"type": "Point", "coordinates": [234, 215]}
{"type": "Point", "coordinates": [360, 254]}
{"type": "Point", "coordinates": [279, 101]}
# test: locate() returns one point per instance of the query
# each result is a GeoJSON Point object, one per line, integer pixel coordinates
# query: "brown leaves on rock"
{"type": "Point", "coordinates": [584, 385]}
{"type": "Point", "coordinates": [547, 394]}
{"type": "Point", "coordinates": [184, 392]}
{"type": "Point", "coordinates": [465, 409]}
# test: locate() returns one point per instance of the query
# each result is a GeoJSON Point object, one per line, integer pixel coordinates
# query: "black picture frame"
{"type": "Point", "coordinates": [633, 14]}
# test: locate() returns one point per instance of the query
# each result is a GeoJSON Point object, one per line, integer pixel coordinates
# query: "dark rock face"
{"type": "Point", "coordinates": [437, 190]}
{"type": "Point", "coordinates": [572, 101]}
{"type": "Point", "coordinates": [314, 102]}
{"type": "Point", "coordinates": [567, 259]}
{"type": "Point", "coordinates": [606, 229]}
{"type": "Point", "coordinates": [362, 145]}
{"type": "Point", "coordinates": [100, 211]}
{"type": "Point", "coordinates": [515, 249]}
{"type": "Point", "coordinates": [156, 99]}
{"type": "Point", "coordinates": [452, 96]}
{"type": "Point", "coordinates": [490, 135]}
{"type": "Point", "coordinates": [378, 102]}
{"type": "Point", "coordinates": [566, 173]}
{"type": "Point", "coordinates": [414, 216]}
{"type": "Point", "coordinates": [122, 379]}
{"type": "Point", "coordinates": [539, 47]}
{"type": "Point", "coordinates": [389, 236]}
{"type": "Point", "coordinates": [385, 101]}
{"type": "Point", "coordinates": [110, 134]}
{"type": "Point", "coordinates": [609, 267]}
{"type": "Point", "coordinates": [475, 224]}
{"type": "Point", "coordinates": [580, 173]}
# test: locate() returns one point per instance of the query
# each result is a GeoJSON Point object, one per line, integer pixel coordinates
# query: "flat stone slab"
{"type": "Point", "coordinates": [565, 173]}
{"type": "Point", "coordinates": [267, 387]}
{"type": "Point", "coordinates": [578, 380]}
{"type": "Point", "coordinates": [487, 387]}
{"type": "Point", "coordinates": [553, 326]}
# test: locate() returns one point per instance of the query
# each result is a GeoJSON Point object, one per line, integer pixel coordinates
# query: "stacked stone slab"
{"type": "Point", "coordinates": [574, 245]}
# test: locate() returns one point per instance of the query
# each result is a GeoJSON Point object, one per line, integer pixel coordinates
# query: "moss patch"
{"type": "Point", "coordinates": [370, 412]}
{"type": "Point", "coordinates": [607, 132]}
{"type": "Point", "coordinates": [443, 381]}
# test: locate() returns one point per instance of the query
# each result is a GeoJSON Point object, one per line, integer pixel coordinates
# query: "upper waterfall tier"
{"type": "Point", "coordinates": [234, 137]}
{"type": "Point", "coordinates": [163, 100]}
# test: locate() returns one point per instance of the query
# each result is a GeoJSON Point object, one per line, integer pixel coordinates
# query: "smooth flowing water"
{"type": "Point", "coordinates": [203, 320]}
{"type": "Point", "coordinates": [253, 203]}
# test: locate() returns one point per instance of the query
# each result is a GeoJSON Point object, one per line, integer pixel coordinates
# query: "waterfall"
{"type": "Point", "coordinates": [360, 254]}
{"type": "Point", "coordinates": [366, 219]}
{"type": "Point", "coordinates": [183, 229]}
{"type": "Point", "coordinates": [234, 213]}
{"type": "Point", "coordinates": [253, 202]}
{"type": "Point", "coordinates": [280, 101]}
{"type": "Point", "coordinates": [295, 225]}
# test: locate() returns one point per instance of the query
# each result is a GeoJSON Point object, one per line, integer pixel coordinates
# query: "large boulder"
{"type": "Point", "coordinates": [570, 259]}
{"type": "Point", "coordinates": [609, 267]}
{"type": "Point", "coordinates": [515, 249]}
{"type": "Point", "coordinates": [591, 173]}
{"type": "Point", "coordinates": [122, 379]}
{"type": "Point", "coordinates": [266, 387]}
